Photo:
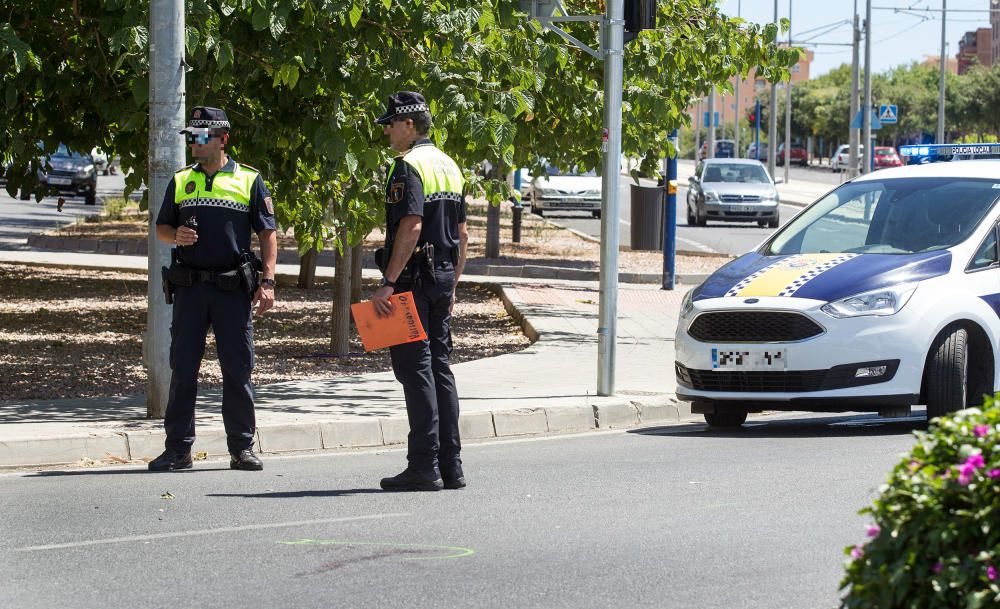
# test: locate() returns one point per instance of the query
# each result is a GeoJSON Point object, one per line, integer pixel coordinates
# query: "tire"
{"type": "Point", "coordinates": [727, 419]}
{"type": "Point", "coordinates": [700, 220]}
{"type": "Point", "coordinates": [596, 214]}
{"type": "Point", "coordinates": [773, 223]}
{"type": "Point", "coordinates": [762, 223]}
{"type": "Point", "coordinates": [538, 212]}
{"type": "Point", "coordinates": [947, 373]}
{"type": "Point", "coordinates": [690, 216]}
{"type": "Point", "coordinates": [25, 195]}
{"type": "Point", "coordinates": [90, 198]}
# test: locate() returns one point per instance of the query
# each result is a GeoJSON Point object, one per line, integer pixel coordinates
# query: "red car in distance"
{"type": "Point", "coordinates": [886, 156]}
{"type": "Point", "coordinates": [799, 155]}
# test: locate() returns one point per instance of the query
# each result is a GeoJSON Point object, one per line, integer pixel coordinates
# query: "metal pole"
{"type": "Point", "coordinates": [670, 217]}
{"type": "Point", "coordinates": [756, 129]}
{"type": "Point", "coordinates": [772, 118]}
{"type": "Point", "coordinates": [613, 74]}
{"type": "Point", "coordinates": [710, 154]}
{"type": "Point", "coordinates": [944, 58]}
{"type": "Point", "coordinates": [855, 67]}
{"type": "Point", "coordinates": [788, 104]}
{"type": "Point", "coordinates": [866, 116]}
{"type": "Point", "coordinates": [697, 132]}
{"type": "Point", "coordinates": [166, 155]}
{"type": "Point", "coordinates": [738, 115]}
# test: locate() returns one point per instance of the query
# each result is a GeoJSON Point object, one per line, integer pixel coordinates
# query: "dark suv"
{"type": "Point", "coordinates": [71, 174]}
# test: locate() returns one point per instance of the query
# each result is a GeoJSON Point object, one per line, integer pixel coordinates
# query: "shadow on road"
{"type": "Point", "coordinates": [850, 425]}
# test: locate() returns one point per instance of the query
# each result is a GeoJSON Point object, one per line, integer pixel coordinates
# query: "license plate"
{"type": "Point", "coordinates": [60, 181]}
{"type": "Point", "coordinates": [749, 359]}
{"type": "Point", "coordinates": [740, 209]}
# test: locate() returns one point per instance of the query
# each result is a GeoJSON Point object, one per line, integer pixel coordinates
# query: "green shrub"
{"type": "Point", "coordinates": [114, 208]}
{"type": "Point", "coordinates": [935, 537]}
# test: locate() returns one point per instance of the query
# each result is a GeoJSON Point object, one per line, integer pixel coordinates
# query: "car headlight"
{"type": "Point", "coordinates": [711, 195]}
{"type": "Point", "coordinates": [547, 192]}
{"type": "Point", "coordinates": [687, 305]}
{"type": "Point", "coordinates": [885, 301]}
{"type": "Point", "coordinates": [770, 198]}
{"type": "Point", "coordinates": [86, 171]}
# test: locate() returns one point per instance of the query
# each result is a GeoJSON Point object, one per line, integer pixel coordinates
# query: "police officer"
{"type": "Point", "coordinates": [208, 211]}
{"type": "Point", "coordinates": [426, 240]}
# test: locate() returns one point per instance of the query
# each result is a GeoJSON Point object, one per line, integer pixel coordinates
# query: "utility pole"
{"type": "Point", "coordinates": [866, 116]}
{"type": "Point", "coordinates": [607, 338]}
{"type": "Point", "coordinates": [166, 155]}
{"type": "Point", "coordinates": [697, 132]}
{"type": "Point", "coordinates": [788, 104]}
{"type": "Point", "coordinates": [710, 154]}
{"type": "Point", "coordinates": [739, 100]}
{"type": "Point", "coordinates": [853, 133]}
{"type": "Point", "coordinates": [772, 118]}
{"type": "Point", "coordinates": [944, 59]}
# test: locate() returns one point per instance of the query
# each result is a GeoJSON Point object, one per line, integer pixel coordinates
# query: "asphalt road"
{"type": "Point", "coordinates": [21, 219]}
{"type": "Point", "coordinates": [732, 238]}
{"type": "Point", "coordinates": [671, 517]}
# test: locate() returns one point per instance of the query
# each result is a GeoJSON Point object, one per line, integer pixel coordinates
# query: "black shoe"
{"type": "Point", "coordinates": [413, 480]}
{"type": "Point", "coordinates": [454, 477]}
{"type": "Point", "coordinates": [170, 460]}
{"type": "Point", "coordinates": [245, 460]}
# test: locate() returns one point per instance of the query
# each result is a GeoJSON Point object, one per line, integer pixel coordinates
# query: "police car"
{"type": "Point", "coordinates": [883, 294]}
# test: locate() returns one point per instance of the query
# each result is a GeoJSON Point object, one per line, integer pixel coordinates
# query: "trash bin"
{"type": "Point", "coordinates": [648, 204]}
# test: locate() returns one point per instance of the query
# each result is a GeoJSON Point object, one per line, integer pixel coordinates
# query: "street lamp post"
{"type": "Point", "coordinates": [944, 58]}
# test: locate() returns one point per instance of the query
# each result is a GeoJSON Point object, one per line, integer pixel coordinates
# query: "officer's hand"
{"type": "Point", "coordinates": [380, 299]}
{"type": "Point", "coordinates": [263, 300]}
{"type": "Point", "coordinates": [185, 236]}
{"type": "Point", "coordinates": [451, 306]}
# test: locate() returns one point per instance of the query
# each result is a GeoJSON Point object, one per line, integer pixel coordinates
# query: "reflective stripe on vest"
{"type": "Point", "coordinates": [441, 177]}
{"type": "Point", "coordinates": [229, 190]}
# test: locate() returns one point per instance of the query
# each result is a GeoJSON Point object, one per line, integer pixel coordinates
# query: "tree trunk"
{"type": "Point", "coordinates": [307, 269]}
{"type": "Point", "coordinates": [357, 254]}
{"type": "Point", "coordinates": [493, 220]}
{"type": "Point", "coordinates": [340, 335]}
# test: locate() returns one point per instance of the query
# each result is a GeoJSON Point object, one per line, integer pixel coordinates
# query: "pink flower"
{"type": "Point", "coordinates": [991, 573]}
{"type": "Point", "coordinates": [938, 567]}
{"type": "Point", "coordinates": [975, 461]}
{"type": "Point", "coordinates": [964, 479]}
{"type": "Point", "coordinates": [994, 473]}
{"type": "Point", "coordinates": [874, 530]}
{"type": "Point", "coordinates": [981, 430]}
{"type": "Point", "coordinates": [857, 551]}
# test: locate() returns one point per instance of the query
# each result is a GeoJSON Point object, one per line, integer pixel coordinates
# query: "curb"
{"type": "Point", "coordinates": [128, 446]}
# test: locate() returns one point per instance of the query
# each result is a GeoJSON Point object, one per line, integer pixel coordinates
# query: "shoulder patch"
{"type": "Point", "coordinates": [396, 192]}
{"type": "Point", "coordinates": [269, 205]}
{"type": "Point", "coordinates": [189, 187]}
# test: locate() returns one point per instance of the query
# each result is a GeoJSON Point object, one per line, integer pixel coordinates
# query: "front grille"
{"type": "Point", "coordinates": [739, 198]}
{"type": "Point", "coordinates": [753, 327]}
{"type": "Point", "coordinates": [734, 380]}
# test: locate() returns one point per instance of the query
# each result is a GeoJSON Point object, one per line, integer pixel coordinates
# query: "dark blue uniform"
{"type": "Point", "coordinates": [224, 226]}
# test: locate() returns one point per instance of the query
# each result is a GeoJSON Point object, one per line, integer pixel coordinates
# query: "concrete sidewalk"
{"type": "Point", "coordinates": [548, 388]}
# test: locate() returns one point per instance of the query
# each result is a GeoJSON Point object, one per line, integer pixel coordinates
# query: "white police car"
{"type": "Point", "coordinates": [882, 294]}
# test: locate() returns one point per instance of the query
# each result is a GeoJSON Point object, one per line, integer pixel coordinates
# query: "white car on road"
{"type": "Point", "coordinates": [883, 294]}
{"type": "Point", "coordinates": [559, 190]}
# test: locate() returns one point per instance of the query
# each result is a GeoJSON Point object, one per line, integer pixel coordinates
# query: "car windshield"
{"type": "Point", "coordinates": [552, 170]}
{"type": "Point", "coordinates": [896, 216]}
{"type": "Point", "coordinates": [735, 172]}
{"type": "Point", "coordinates": [65, 153]}
{"type": "Point", "coordinates": [884, 152]}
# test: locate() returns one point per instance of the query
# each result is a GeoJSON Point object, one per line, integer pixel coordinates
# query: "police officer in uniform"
{"type": "Point", "coordinates": [426, 240]}
{"type": "Point", "coordinates": [208, 212]}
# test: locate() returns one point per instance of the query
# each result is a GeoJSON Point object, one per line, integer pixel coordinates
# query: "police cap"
{"type": "Point", "coordinates": [205, 117]}
{"type": "Point", "coordinates": [403, 102]}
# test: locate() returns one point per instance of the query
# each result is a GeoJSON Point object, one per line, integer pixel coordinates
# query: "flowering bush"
{"type": "Point", "coordinates": [935, 537]}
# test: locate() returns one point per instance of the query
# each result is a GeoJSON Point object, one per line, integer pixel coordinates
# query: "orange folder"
{"type": "Point", "coordinates": [403, 326]}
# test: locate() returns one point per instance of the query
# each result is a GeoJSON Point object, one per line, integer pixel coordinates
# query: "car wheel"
{"type": "Point", "coordinates": [701, 218]}
{"type": "Point", "coordinates": [596, 213]}
{"type": "Point", "coordinates": [690, 216]}
{"type": "Point", "coordinates": [538, 212]}
{"type": "Point", "coordinates": [90, 198]}
{"type": "Point", "coordinates": [25, 194]}
{"type": "Point", "coordinates": [773, 222]}
{"type": "Point", "coordinates": [947, 372]}
{"type": "Point", "coordinates": [727, 418]}
{"type": "Point", "coordinates": [762, 223]}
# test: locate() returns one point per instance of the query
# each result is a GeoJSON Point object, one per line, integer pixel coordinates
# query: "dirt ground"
{"type": "Point", "coordinates": [70, 333]}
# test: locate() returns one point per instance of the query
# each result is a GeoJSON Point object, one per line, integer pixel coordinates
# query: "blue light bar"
{"type": "Point", "coordinates": [950, 150]}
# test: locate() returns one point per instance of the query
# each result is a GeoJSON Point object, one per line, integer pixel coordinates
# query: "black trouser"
{"type": "Point", "coordinates": [228, 312]}
{"type": "Point", "coordinates": [424, 369]}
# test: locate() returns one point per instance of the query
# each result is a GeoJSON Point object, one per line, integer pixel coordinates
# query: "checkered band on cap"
{"type": "Point", "coordinates": [412, 108]}
{"type": "Point", "coordinates": [205, 123]}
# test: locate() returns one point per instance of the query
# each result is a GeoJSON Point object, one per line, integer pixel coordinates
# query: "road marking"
{"type": "Point", "coordinates": [697, 244]}
{"type": "Point", "coordinates": [454, 551]}
{"type": "Point", "coordinates": [248, 527]}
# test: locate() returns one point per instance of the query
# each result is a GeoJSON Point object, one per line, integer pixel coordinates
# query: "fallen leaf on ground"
{"type": "Point", "coordinates": [200, 456]}
{"type": "Point", "coordinates": [115, 458]}
{"type": "Point", "coordinates": [167, 495]}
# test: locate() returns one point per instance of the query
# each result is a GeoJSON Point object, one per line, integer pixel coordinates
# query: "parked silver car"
{"type": "Point", "coordinates": [841, 160]}
{"type": "Point", "coordinates": [732, 190]}
{"type": "Point", "coordinates": [559, 190]}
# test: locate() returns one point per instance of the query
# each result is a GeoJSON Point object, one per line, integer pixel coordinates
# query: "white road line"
{"type": "Point", "coordinates": [248, 527]}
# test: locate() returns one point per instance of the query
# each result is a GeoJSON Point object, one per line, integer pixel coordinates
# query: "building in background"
{"type": "Point", "coordinates": [729, 107]}
{"type": "Point", "coordinates": [995, 26]}
{"type": "Point", "coordinates": [933, 61]}
{"type": "Point", "coordinates": [975, 47]}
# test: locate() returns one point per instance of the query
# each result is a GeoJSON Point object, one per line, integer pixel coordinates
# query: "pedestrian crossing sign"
{"type": "Point", "coordinates": [887, 113]}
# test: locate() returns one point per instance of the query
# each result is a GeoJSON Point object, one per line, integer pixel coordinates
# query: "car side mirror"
{"type": "Point", "coordinates": [693, 179]}
{"type": "Point", "coordinates": [779, 180]}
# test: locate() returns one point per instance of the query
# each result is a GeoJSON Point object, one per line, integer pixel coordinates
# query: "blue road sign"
{"type": "Point", "coordinates": [859, 118]}
{"type": "Point", "coordinates": [887, 114]}
{"type": "Point", "coordinates": [704, 119]}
